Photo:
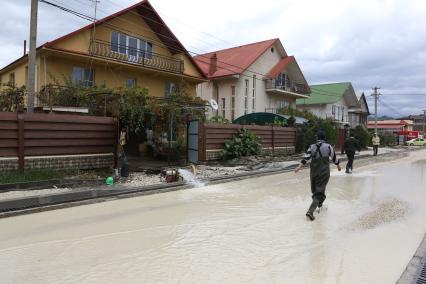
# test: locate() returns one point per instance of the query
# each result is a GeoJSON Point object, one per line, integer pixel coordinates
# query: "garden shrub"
{"type": "Point", "coordinates": [219, 119]}
{"type": "Point", "coordinates": [363, 136]}
{"type": "Point", "coordinates": [244, 143]}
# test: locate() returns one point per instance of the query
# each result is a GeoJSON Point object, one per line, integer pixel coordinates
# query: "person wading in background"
{"type": "Point", "coordinates": [351, 145]}
{"type": "Point", "coordinates": [376, 142]}
{"type": "Point", "coordinates": [320, 154]}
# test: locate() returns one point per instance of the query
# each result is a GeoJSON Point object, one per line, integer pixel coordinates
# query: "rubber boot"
{"type": "Point", "coordinates": [311, 210]}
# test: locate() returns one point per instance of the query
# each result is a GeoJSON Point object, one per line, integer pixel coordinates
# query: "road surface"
{"type": "Point", "coordinates": [250, 231]}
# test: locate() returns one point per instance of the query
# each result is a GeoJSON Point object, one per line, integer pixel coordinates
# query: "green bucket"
{"type": "Point", "coordinates": [109, 181]}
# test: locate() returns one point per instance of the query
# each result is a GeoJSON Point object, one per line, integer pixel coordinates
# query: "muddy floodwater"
{"type": "Point", "coordinates": [250, 231]}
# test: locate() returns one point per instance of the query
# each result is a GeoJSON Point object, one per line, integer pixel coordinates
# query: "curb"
{"type": "Point", "coordinates": [413, 268]}
{"type": "Point", "coordinates": [34, 185]}
{"type": "Point", "coordinates": [26, 205]}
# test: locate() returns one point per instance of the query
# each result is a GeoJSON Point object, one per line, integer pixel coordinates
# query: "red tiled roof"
{"type": "Point", "coordinates": [385, 126]}
{"type": "Point", "coordinates": [152, 18]}
{"type": "Point", "coordinates": [281, 65]}
{"type": "Point", "coordinates": [234, 60]}
{"type": "Point", "coordinates": [391, 123]}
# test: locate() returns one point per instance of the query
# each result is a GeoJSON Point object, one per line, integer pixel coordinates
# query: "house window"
{"type": "Point", "coordinates": [123, 43]}
{"type": "Point", "coordinates": [223, 107]}
{"type": "Point", "coordinates": [246, 91]}
{"type": "Point", "coordinates": [131, 83]}
{"type": "Point", "coordinates": [253, 107]}
{"type": "Point", "coordinates": [115, 41]}
{"type": "Point", "coordinates": [232, 102]}
{"type": "Point", "coordinates": [148, 49]}
{"type": "Point", "coordinates": [131, 46]}
{"type": "Point", "coordinates": [343, 113]}
{"type": "Point", "coordinates": [12, 79]}
{"type": "Point", "coordinates": [169, 89]}
{"type": "Point", "coordinates": [282, 104]}
{"type": "Point", "coordinates": [82, 76]}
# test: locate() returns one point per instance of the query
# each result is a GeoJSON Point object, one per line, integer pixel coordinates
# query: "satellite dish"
{"type": "Point", "coordinates": [213, 104]}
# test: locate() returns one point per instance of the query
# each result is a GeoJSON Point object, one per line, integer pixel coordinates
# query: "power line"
{"type": "Point", "coordinates": [115, 28]}
{"type": "Point", "coordinates": [390, 108]}
{"type": "Point", "coordinates": [161, 44]}
{"type": "Point", "coordinates": [182, 23]}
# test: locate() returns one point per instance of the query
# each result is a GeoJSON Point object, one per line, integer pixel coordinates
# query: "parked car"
{"type": "Point", "coordinates": [416, 142]}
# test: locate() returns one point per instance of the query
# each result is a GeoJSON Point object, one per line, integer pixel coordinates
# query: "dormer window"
{"type": "Point", "coordinates": [133, 47]}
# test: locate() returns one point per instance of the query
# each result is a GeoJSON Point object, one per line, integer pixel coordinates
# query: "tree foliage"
{"type": "Point", "coordinates": [131, 105]}
{"type": "Point", "coordinates": [12, 98]}
{"type": "Point", "coordinates": [362, 135]}
{"type": "Point", "coordinates": [219, 119]}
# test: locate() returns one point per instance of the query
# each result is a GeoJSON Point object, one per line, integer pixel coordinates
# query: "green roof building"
{"type": "Point", "coordinates": [336, 101]}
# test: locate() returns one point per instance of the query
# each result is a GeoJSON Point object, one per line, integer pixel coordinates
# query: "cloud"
{"type": "Point", "coordinates": [369, 43]}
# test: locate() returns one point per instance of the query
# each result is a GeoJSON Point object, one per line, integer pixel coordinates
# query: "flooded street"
{"type": "Point", "coordinates": [253, 231]}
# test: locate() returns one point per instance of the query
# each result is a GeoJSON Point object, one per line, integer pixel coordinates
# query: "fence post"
{"type": "Point", "coordinates": [21, 141]}
{"type": "Point", "coordinates": [273, 140]}
{"type": "Point", "coordinates": [115, 127]}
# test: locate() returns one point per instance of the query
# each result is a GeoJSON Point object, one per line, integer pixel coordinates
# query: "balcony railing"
{"type": "Point", "coordinates": [137, 57]}
{"type": "Point", "coordinates": [271, 110]}
{"type": "Point", "coordinates": [336, 118]}
{"type": "Point", "coordinates": [288, 86]}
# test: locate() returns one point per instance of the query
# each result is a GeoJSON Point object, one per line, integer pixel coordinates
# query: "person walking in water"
{"type": "Point", "coordinates": [320, 154]}
{"type": "Point", "coordinates": [351, 145]}
{"type": "Point", "coordinates": [376, 142]}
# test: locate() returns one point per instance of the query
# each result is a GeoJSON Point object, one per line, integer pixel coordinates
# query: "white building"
{"type": "Point", "coordinates": [257, 77]}
{"type": "Point", "coordinates": [336, 101]}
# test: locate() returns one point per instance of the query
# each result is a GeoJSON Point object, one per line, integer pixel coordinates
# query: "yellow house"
{"type": "Point", "coordinates": [132, 47]}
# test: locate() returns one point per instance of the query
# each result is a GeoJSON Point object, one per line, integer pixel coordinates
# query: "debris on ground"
{"type": "Point", "coordinates": [385, 212]}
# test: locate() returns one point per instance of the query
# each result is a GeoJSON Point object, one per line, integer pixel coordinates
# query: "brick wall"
{"type": "Point", "coordinates": [83, 162]}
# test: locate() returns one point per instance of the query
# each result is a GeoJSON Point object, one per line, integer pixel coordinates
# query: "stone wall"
{"type": "Point", "coordinates": [212, 155]}
{"type": "Point", "coordinates": [62, 162]}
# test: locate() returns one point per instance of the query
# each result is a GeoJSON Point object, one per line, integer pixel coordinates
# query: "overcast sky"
{"type": "Point", "coordinates": [369, 43]}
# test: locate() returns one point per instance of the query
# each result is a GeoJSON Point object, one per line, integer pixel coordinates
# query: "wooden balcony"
{"type": "Point", "coordinates": [126, 54]}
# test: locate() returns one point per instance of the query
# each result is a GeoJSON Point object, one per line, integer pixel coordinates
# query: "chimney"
{"type": "Point", "coordinates": [25, 47]}
{"type": "Point", "coordinates": [213, 64]}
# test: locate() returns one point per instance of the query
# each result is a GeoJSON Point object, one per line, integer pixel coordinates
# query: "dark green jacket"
{"type": "Point", "coordinates": [351, 145]}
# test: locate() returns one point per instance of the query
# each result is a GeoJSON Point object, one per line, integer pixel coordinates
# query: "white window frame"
{"type": "Point", "coordinates": [223, 106]}
{"type": "Point", "coordinates": [133, 84]}
{"type": "Point", "coordinates": [232, 102]}
{"type": "Point", "coordinates": [88, 82]}
{"type": "Point", "coordinates": [253, 102]}
{"type": "Point", "coordinates": [246, 91]}
{"type": "Point", "coordinates": [140, 49]}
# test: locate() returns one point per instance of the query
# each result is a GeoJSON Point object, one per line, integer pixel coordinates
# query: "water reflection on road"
{"type": "Point", "coordinates": [247, 231]}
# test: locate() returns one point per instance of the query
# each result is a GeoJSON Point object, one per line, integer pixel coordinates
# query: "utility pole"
{"type": "Point", "coordinates": [376, 97]}
{"type": "Point", "coordinates": [32, 56]}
